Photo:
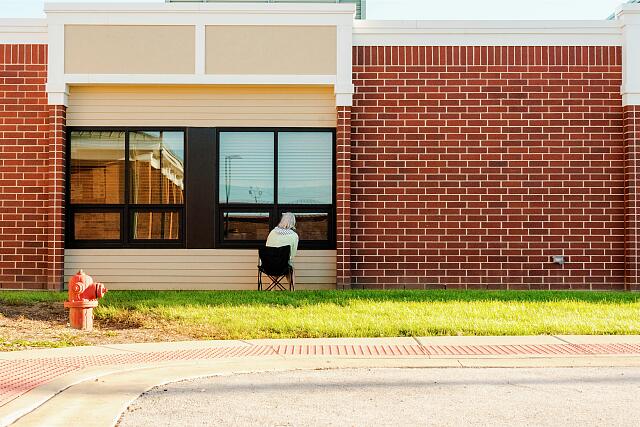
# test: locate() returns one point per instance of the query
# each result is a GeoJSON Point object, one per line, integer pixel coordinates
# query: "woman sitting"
{"type": "Point", "coordinates": [284, 234]}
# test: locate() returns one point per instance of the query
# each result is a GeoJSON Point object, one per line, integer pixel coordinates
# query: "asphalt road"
{"type": "Point", "coordinates": [398, 397]}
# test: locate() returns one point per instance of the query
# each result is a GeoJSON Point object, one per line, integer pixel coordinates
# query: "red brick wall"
{"type": "Point", "coordinates": [31, 172]}
{"type": "Point", "coordinates": [343, 202]}
{"type": "Point", "coordinates": [472, 166]}
{"type": "Point", "coordinates": [632, 195]}
{"type": "Point", "coordinates": [56, 194]}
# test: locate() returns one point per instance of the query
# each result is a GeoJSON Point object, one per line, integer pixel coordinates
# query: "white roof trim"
{"type": "Point", "coordinates": [487, 33]}
{"type": "Point", "coordinates": [209, 79]}
{"type": "Point", "coordinates": [200, 13]}
{"type": "Point", "coordinates": [23, 31]}
{"type": "Point", "coordinates": [275, 8]}
{"type": "Point", "coordinates": [628, 7]}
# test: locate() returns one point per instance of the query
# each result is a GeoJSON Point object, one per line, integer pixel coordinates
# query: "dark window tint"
{"type": "Point", "coordinates": [97, 167]}
{"type": "Point", "coordinates": [246, 165]}
{"type": "Point", "coordinates": [96, 226]}
{"type": "Point", "coordinates": [155, 225]}
{"type": "Point", "coordinates": [245, 225]}
{"type": "Point", "coordinates": [156, 167]}
{"type": "Point", "coordinates": [312, 226]}
{"type": "Point", "coordinates": [305, 168]}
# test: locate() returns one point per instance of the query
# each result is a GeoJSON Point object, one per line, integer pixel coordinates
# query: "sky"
{"type": "Point", "coordinates": [409, 9]}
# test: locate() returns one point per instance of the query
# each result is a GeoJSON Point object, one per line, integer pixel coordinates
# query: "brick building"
{"type": "Point", "coordinates": [156, 145]}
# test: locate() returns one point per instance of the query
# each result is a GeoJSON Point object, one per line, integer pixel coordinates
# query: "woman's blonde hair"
{"type": "Point", "coordinates": [288, 221]}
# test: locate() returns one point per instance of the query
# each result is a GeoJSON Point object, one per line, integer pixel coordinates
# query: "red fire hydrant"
{"type": "Point", "coordinates": [83, 297]}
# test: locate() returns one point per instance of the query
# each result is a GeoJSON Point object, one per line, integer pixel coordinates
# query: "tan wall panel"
{"type": "Point", "coordinates": [295, 106]}
{"type": "Point", "coordinates": [129, 49]}
{"type": "Point", "coordinates": [265, 49]}
{"type": "Point", "coordinates": [214, 269]}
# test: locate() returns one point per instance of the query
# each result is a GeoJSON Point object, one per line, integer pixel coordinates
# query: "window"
{"type": "Point", "coordinates": [312, 225]}
{"type": "Point", "coordinates": [126, 187]}
{"type": "Point", "coordinates": [97, 167]}
{"type": "Point", "coordinates": [156, 162]}
{"type": "Point", "coordinates": [263, 174]}
{"type": "Point", "coordinates": [305, 168]}
{"type": "Point", "coordinates": [246, 165]}
{"type": "Point", "coordinates": [246, 226]}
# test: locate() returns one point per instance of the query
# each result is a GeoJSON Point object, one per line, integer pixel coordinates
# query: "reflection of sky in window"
{"type": "Point", "coordinates": [246, 166]}
{"type": "Point", "coordinates": [305, 172]}
{"type": "Point", "coordinates": [172, 142]}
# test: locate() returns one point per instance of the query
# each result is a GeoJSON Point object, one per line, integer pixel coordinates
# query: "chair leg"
{"type": "Point", "coordinates": [260, 280]}
{"type": "Point", "coordinates": [292, 280]}
{"type": "Point", "coordinates": [276, 283]}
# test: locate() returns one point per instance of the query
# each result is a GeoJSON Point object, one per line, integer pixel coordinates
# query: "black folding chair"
{"type": "Point", "coordinates": [274, 263]}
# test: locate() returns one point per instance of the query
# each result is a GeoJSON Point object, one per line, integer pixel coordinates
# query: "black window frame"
{"type": "Point", "coordinates": [275, 209]}
{"type": "Point", "coordinates": [127, 208]}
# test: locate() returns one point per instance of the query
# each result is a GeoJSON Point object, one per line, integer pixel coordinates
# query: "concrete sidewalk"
{"type": "Point", "coordinates": [53, 386]}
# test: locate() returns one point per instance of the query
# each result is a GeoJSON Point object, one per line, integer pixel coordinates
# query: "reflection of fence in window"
{"type": "Point", "coordinates": [156, 225]}
{"type": "Point", "coordinates": [312, 226]}
{"type": "Point", "coordinates": [246, 226]}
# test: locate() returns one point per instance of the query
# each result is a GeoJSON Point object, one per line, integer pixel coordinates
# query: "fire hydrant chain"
{"type": "Point", "coordinates": [83, 298]}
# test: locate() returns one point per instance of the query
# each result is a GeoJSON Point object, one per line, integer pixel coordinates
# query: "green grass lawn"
{"type": "Point", "coordinates": [250, 314]}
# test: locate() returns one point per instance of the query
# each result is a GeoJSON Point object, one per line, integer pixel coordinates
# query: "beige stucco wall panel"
{"type": "Point", "coordinates": [123, 105]}
{"type": "Point", "coordinates": [268, 49]}
{"type": "Point", "coordinates": [129, 49]}
{"type": "Point", "coordinates": [213, 269]}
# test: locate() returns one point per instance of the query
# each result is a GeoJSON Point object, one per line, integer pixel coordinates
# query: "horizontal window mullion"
{"type": "Point", "coordinates": [92, 206]}
{"type": "Point", "coordinates": [132, 207]}
{"type": "Point", "coordinates": [305, 207]}
{"type": "Point", "coordinates": [247, 207]}
{"type": "Point", "coordinates": [155, 207]}
{"type": "Point", "coordinates": [167, 242]}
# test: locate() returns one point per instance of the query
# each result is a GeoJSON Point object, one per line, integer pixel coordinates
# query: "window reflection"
{"type": "Point", "coordinates": [312, 226]}
{"type": "Point", "coordinates": [246, 164]}
{"type": "Point", "coordinates": [156, 167]}
{"type": "Point", "coordinates": [97, 167]}
{"type": "Point", "coordinates": [305, 168]}
{"type": "Point", "coordinates": [246, 225]}
{"type": "Point", "coordinates": [96, 226]}
{"type": "Point", "coordinates": [156, 225]}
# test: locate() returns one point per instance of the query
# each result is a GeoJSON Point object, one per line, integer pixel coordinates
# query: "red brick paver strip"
{"type": "Point", "coordinates": [17, 377]}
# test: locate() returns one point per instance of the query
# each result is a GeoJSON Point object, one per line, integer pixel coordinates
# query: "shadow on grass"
{"type": "Point", "coordinates": [136, 299]}
{"type": "Point", "coordinates": [38, 311]}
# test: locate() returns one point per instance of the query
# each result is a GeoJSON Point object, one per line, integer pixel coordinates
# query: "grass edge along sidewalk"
{"type": "Point", "coordinates": [320, 314]}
